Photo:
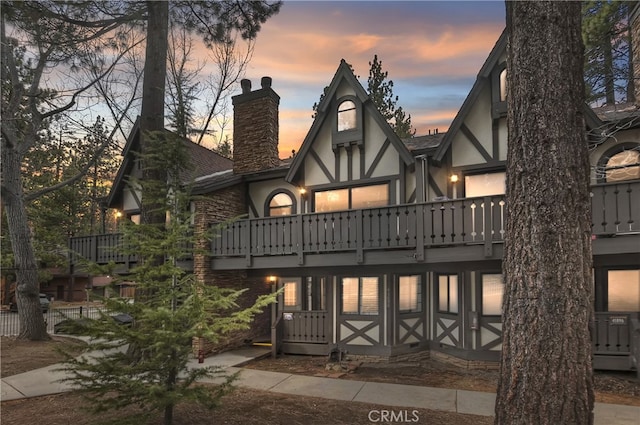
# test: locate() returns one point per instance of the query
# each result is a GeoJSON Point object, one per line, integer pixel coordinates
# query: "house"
{"type": "Point", "coordinates": [390, 248]}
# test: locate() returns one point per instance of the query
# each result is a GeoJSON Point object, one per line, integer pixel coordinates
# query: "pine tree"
{"type": "Point", "coordinates": [380, 89]}
{"type": "Point", "coordinates": [605, 33]}
{"type": "Point", "coordinates": [173, 309]}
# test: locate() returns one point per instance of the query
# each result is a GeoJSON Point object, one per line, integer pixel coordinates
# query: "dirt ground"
{"type": "Point", "coordinates": [610, 387]}
{"type": "Point", "coordinates": [263, 408]}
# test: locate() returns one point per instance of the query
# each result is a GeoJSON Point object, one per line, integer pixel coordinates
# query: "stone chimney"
{"type": "Point", "coordinates": [634, 17]}
{"type": "Point", "coordinates": [255, 128]}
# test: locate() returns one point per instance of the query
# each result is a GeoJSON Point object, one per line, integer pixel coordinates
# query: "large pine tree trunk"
{"type": "Point", "coordinates": [32, 324]}
{"type": "Point", "coordinates": [546, 369]}
{"type": "Point", "coordinates": [153, 91]}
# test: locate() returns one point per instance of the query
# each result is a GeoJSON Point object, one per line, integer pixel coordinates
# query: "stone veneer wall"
{"type": "Point", "coordinates": [223, 205]}
{"type": "Point", "coordinates": [255, 128]}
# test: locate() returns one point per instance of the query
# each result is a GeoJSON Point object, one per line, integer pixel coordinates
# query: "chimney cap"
{"type": "Point", "coordinates": [266, 82]}
{"type": "Point", "coordinates": [246, 85]}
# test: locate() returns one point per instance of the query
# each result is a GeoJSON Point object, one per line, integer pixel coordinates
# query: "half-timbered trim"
{"type": "Point", "coordinates": [377, 159]}
{"type": "Point", "coordinates": [324, 168]}
{"type": "Point", "coordinates": [475, 142]}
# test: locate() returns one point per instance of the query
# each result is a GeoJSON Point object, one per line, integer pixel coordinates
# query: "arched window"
{"type": "Point", "coordinates": [503, 85]}
{"type": "Point", "coordinates": [347, 116]}
{"type": "Point", "coordinates": [620, 163]}
{"type": "Point", "coordinates": [280, 203]}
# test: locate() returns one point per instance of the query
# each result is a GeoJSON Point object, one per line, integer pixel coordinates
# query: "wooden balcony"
{"type": "Point", "coordinates": [397, 234]}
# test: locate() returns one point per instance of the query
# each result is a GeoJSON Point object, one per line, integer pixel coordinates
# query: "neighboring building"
{"type": "Point", "coordinates": [393, 248]}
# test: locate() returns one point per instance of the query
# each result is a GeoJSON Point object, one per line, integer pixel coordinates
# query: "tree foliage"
{"type": "Point", "coordinates": [607, 69]}
{"type": "Point", "coordinates": [175, 308]}
{"type": "Point", "coordinates": [83, 45]}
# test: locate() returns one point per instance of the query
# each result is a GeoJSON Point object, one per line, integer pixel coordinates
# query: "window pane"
{"type": "Point", "coordinates": [443, 293]}
{"type": "Point", "coordinates": [503, 85]}
{"type": "Point", "coordinates": [291, 294]}
{"type": "Point", "coordinates": [370, 196]}
{"type": "Point", "coordinates": [346, 115]}
{"type": "Point", "coordinates": [492, 291]}
{"type": "Point", "coordinates": [410, 294]}
{"type": "Point", "coordinates": [453, 293]}
{"type": "Point", "coordinates": [350, 295]}
{"type": "Point", "coordinates": [280, 204]}
{"type": "Point", "coordinates": [622, 166]}
{"type": "Point", "coordinates": [332, 200]}
{"type": "Point", "coordinates": [624, 290]}
{"type": "Point", "coordinates": [484, 184]}
{"type": "Point", "coordinates": [369, 296]}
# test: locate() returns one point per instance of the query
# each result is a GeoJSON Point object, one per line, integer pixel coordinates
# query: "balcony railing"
{"type": "Point", "coordinates": [468, 221]}
{"type": "Point", "coordinates": [408, 226]}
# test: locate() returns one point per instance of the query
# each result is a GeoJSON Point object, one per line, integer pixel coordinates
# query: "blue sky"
{"type": "Point", "coordinates": [432, 50]}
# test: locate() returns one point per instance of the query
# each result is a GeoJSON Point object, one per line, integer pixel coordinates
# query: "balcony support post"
{"type": "Point", "coordinates": [246, 239]}
{"type": "Point", "coordinates": [419, 233]}
{"type": "Point", "coordinates": [488, 227]}
{"type": "Point", "coordinates": [300, 238]}
{"type": "Point", "coordinates": [359, 237]}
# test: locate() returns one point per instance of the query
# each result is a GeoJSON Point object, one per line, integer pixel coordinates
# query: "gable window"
{"type": "Point", "coordinates": [448, 293]}
{"type": "Point", "coordinates": [360, 295]}
{"type": "Point", "coordinates": [409, 294]}
{"type": "Point", "coordinates": [279, 202]}
{"type": "Point", "coordinates": [484, 184]}
{"type": "Point", "coordinates": [503, 85]}
{"type": "Point", "coordinates": [352, 198]}
{"type": "Point", "coordinates": [347, 115]}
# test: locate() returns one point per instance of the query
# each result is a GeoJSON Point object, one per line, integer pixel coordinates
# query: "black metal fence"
{"type": "Point", "coordinates": [10, 324]}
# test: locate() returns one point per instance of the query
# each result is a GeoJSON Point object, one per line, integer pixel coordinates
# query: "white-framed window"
{"type": "Point", "coordinates": [623, 291]}
{"type": "Point", "coordinates": [360, 295]}
{"type": "Point", "coordinates": [492, 293]}
{"type": "Point", "coordinates": [448, 293]}
{"type": "Point", "coordinates": [409, 294]}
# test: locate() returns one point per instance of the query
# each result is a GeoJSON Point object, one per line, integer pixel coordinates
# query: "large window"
{"type": "Point", "coordinates": [492, 292]}
{"type": "Point", "coordinates": [484, 184]}
{"type": "Point", "coordinates": [623, 290]}
{"type": "Point", "coordinates": [448, 293]}
{"type": "Point", "coordinates": [347, 116]}
{"type": "Point", "coordinates": [409, 294]}
{"type": "Point", "coordinates": [360, 295]}
{"type": "Point", "coordinates": [352, 198]}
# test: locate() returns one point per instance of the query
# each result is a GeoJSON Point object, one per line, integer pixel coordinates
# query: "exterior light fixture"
{"type": "Point", "coordinates": [303, 191]}
{"type": "Point", "coordinates": [454, 180]}
{"type": "Point", "coordinates": [272, 279]}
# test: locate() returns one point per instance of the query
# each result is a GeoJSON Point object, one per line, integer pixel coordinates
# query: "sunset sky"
{"type": "Point", "coordinates": [432, 50]}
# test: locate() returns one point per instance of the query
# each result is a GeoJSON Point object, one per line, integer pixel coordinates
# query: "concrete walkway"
{"type": "Point", "coordinates": [43, 381]}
